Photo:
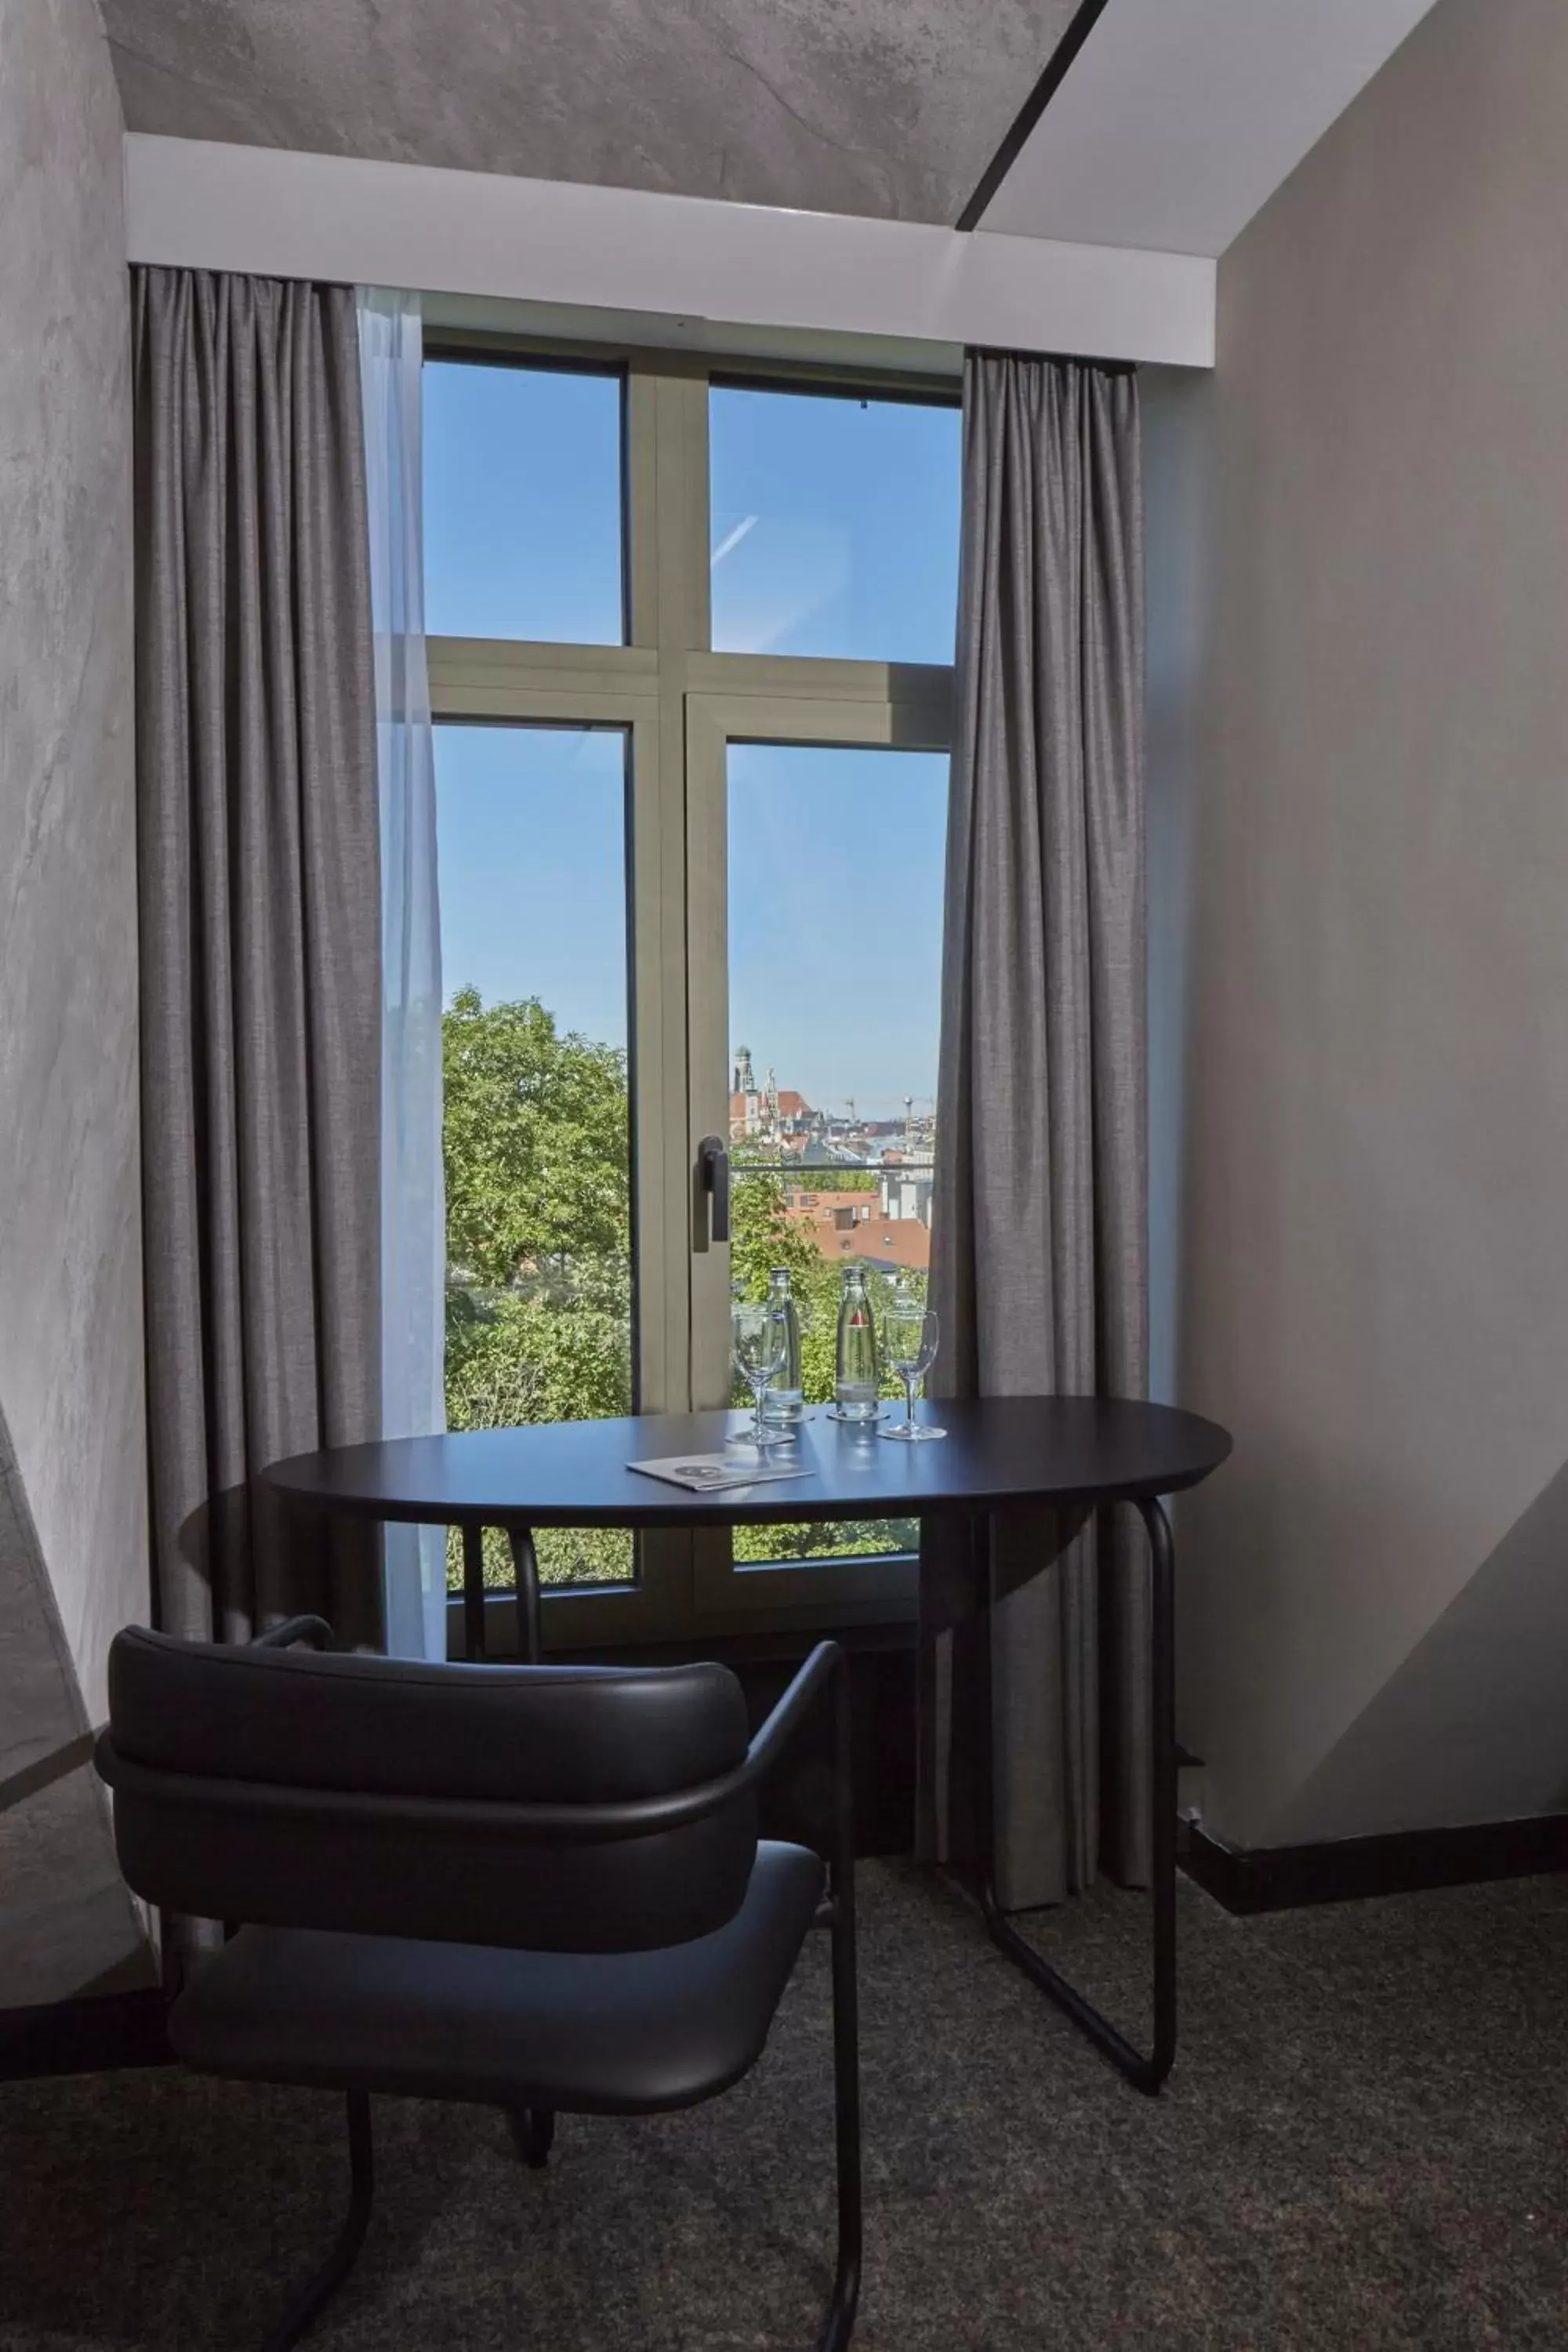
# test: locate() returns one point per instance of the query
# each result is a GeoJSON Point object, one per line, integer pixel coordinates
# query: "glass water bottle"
{"type": "Point", "coordinates": [782, 1398]}
{"type": "Point", "coordinates": [856, 1384]}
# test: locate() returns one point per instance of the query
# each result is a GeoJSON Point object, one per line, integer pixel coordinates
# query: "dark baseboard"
{"type": "Point", "coordinates": [89, 2036]}
{"type": "Point", "coordinates": [1278, 1878]}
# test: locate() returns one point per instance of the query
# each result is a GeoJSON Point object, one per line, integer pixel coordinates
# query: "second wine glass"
{"type": "Point", "coordinates": [909, 1334]}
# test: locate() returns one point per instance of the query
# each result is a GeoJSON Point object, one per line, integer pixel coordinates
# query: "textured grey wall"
{"type": "Point", "coordinates": [67, 1925]}
{"type": "Point", "coordinates": [880, 107]}
{"type": "Point", "coordinates": [1373, 1286]}
{"type": "Point", "coordinates": [72, 1464]}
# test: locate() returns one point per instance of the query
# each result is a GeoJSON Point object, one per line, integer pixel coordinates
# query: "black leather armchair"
{"type": "Point", "coordinates": [538, 1888]}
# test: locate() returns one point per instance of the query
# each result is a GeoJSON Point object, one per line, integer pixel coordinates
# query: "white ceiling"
{"type": "Point", "coordinates": [1179, 118]}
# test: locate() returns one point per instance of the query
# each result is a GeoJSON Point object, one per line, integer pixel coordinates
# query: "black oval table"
{"type": "Point", "coordinates": [1069, 1452]}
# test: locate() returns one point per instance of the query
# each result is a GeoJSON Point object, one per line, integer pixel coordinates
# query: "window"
{"type": "Point", "coordinates": [836, 869]}
{"type": "Point", "coordinates": [523, 527]}
{"type": "Point", "coordinates": [690, 885]}
{"type": "Point", "coordinates": [532, 858]}
{"type": "Point", "coordinates": [835, 526]}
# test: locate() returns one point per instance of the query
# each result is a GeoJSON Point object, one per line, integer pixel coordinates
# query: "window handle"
{"type": "Point", "coordinates": [713, 1191]}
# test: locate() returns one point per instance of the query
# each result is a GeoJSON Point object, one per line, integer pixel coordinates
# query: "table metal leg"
{"type": "Point", "coordinates": [1145, 2073]}
{"type": "Point", "coordinates": [525, 1559]}
{"type": "Point", "coordinates": [533, 2128]}
{"type": "Point", "coordinates": [474, 1593]}
{"type": "Point", "coordinates": [526, 1562]}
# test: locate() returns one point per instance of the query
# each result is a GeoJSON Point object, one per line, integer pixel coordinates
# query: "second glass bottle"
{"type": "Point", "coordinates": [858, 1381]}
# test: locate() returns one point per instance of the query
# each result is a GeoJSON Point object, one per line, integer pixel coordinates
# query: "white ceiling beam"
{"type": "Point", "coordinates": [199, 204]}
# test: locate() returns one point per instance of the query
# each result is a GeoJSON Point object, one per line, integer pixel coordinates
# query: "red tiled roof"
{"type": "Point", "coordinates": [882, 1241]}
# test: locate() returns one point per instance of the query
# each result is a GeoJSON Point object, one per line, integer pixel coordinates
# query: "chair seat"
{"type": "Point", "coordinates": [590, 2032]}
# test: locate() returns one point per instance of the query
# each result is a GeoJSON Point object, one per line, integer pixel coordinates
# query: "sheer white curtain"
{"type": "Point", "coordinates": [413, 1202]}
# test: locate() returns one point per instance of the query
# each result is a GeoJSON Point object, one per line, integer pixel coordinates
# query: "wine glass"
{"type": "Point", "coordinates": [908, 1345]}
{"type": "Point", "coordinates": [758, 1342]}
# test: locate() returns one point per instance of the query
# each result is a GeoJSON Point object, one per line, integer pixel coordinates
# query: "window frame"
{"type": "Point", "coordinates": [681, 703]}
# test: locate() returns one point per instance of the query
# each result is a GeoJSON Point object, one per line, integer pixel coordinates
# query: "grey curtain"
{"type": "Point", "coordinates": [259, 937]}
{"type": "Point", "coordinates": [1038, 1258]}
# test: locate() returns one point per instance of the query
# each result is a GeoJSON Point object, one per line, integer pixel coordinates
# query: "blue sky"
{"type": "Point", "coordinates": [835, 862]}
{"type": "Point", "coordinates": [532, 844]}
{"type": "Point", "coordinates": [835, 529]}
{"type": "Point", "coordinates": [835, 526]}
{"type": "Point", "coordinates": [522, 505]}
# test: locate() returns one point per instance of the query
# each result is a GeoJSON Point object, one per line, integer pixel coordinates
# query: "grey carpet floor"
{"type": "Point", "coordinates": [1363, 2144]}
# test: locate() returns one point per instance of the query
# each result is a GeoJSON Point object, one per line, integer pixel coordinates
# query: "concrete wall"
{"type": "Point", "coordinates": [891, 108]}
{"type": "Point", "coordinates": [1367, 942]}
{"type": "Point", "coordinates": [73, 1544]}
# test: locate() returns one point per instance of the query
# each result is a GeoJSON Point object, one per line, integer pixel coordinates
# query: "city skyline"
{"type": "Point", "coordinates": [873, 1107]}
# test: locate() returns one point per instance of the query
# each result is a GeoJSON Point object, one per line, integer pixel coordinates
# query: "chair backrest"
{"type": "Point", "coordinates": [385, 1796]}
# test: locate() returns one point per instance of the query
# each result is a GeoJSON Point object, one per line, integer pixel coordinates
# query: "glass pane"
{"type": "Point", "coordinates": [835, 526]}
{"type": "Point", "coordinates": [835, 898]}
{"type": "Point", "coordinates": [532, 824]}
{"type": "Point", "coordinates": [522, 504]}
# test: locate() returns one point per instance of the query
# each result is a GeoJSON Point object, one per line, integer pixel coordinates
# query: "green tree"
{"type": "Point", "coordinates": [761, 1233]}
{"type": "Point", "coordinates": [536, 1148]}
{"type": "Point", "coordinates": [535, 1143]}
{"type": "Point", "coordinates": [837, 1180]}
{"type": "Point", "coordinates": [511, 1359]}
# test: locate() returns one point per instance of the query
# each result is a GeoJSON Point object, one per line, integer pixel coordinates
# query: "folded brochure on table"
{"type": "Point", "coordinates": [705, 1474]}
